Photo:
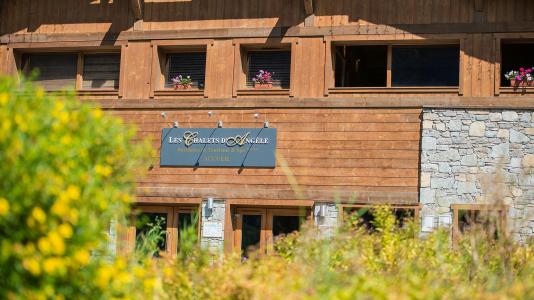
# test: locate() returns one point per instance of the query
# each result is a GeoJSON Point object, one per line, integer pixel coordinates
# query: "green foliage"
{"type": "Point", "coordinates": [392, 262]}
{"type": "Point", "coordinates": [64, 173]}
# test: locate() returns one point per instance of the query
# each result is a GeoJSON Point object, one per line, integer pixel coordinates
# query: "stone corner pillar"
{"type": "Point", "coordinates": [212, 225]}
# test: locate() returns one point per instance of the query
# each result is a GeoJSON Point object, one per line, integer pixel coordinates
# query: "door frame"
{"type": "Point", "coordinates": [172, 235]}
{"type": "Point", "coordinates": [267, 213]}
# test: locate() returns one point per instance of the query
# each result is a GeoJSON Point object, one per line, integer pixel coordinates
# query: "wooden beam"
{"type": "Point", "coordinates": [308, 7]}
{"type": "Point", "coordinates": [137, 8]}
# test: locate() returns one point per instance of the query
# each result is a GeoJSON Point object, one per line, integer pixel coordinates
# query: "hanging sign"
{"type": "Point", "coordinates": [218, 147]}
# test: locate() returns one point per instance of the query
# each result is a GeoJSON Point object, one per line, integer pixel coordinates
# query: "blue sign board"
{"type": "Point", "coordinates": [218, 147]}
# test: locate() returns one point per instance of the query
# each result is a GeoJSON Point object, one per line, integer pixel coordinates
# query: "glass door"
{"type": "Point", "coordinates": [258, 229]}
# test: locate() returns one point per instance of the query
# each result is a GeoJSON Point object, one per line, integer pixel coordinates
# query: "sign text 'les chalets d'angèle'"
{"type": "Point", "coordinates": [218, 147]}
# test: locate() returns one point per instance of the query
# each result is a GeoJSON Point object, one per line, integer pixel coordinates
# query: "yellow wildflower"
{"type": "Point", "coordinates": [73, 192]}
{"type": "Point", "coordinates": [149, 284]}
{"type": "Point", "coordinates": [39, 92]}
{"type": "Point", "coordinates": [60, 207]}
{"type": "Point", "coordinates": [82, 257]}
{"type": "Point", "coordinates": [97, 113]}
{"type": "Point", "coordinates": [105, 171]}
{"type": "Point", "coordinates": [44, 245]}
{"type": "Point", "coordinates": [66, 140]}
{"type": "Point", "coordinates": [57, 243]}
{"type": "Point", "coordinates": [103, 276]}
{"type": "Point", "coordinates": [39, 215]}
{"type": "Point", "coordinates": [4, 206]}
{"type": "Point", "coordinates": [65, 230]}
{"type": "Point", "coordinates": [32, 265]}
{"type": "Point", "coordinates": [53, 265]}
{"type": "Point", "coordinates": [3, 98]}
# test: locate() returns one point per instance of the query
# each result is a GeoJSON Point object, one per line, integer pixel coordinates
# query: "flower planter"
{"type": "Point", "coordinates": [182, 86]}
{"type": "Point", "coordinates": [263, 85]}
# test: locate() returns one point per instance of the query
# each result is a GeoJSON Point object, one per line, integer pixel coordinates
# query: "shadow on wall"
{"type": "Point", "coordinates": [18, 15]}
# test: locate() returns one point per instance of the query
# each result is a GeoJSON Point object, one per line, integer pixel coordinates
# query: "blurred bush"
{"type": "Point", "coordinates": [65, 172]}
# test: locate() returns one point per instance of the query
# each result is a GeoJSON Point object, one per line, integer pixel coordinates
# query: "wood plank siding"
{"type": "Point", "coordinates": [367, 153]}
{"type": "Point", "coordinates": [352, 143]}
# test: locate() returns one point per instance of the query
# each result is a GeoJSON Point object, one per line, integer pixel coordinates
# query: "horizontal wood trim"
{"type": "Point", "coordinates": [309, 194]}
{"type": "Point", "coordinates": [98, 92]}
{"type": "Point", "coordinates": [263, 92]}
{"type": "Point", "coordinates": [294, 31]}
{"type": "Point", "coordinates": [393, 90]}
{"type": "Point", "coordinates": [516, 91]}
{"type": "Point", "coordinates": [363, 102]}
{"type": "Point", "coordinates": [185, 93]}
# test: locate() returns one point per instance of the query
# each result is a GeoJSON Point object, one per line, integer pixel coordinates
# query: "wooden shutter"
{"type": "Point", "coordinates": [101, 71]}
{"type": "Point", "coordinates": [55, 71]}
{"type": "Point", "coordinates": [276, 62]}
{"type": "Point", "coordinates": [187, 64]}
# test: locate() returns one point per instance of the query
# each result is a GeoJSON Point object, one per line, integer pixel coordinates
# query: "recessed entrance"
{"type": "Point", "coordinates": [255, 229]}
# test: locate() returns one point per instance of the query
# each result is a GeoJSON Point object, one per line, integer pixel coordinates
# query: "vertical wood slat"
{"type": "Point", "coordinates": [497, 66]}
{"type": "Point", "coordinates": [79, 71]}
{"type": "Point", "coordinates": [328, 63]}
{"type": "Point", "coordinates": [461, 82]}
{"type": "Point", "coordinates": [388, 68]}
{"type": "Point", "coordinates": [236, 79]}
{"type": "Point", "coordinates": [295, 48]}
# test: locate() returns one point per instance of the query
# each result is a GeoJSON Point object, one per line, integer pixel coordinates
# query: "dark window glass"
{"type": "Point", "coordinates": [276, 62]}
{"type": "Point", "coordinates": [186, 228]}
{"type": "Point", "coordinates": [186, 64]}
{"type": "Point", "coordinates": [425, 66]}
{"type": "Point", "coordinates": [515, 56]}
{"type": "Point", "coordinates": [151, 227]}
{"type": "Point", "coordinates": [251, 233]}
{"type": "Point", "coordinates": [489, 221]}
{"type": "Point", "coordinates": [285, 224]}
{"type": "Point", "coordinates": [55, 71]}
{"type": "Point", "coordinates": [101, 71]}
{"type": "Point", "coordinates": [361, 66]}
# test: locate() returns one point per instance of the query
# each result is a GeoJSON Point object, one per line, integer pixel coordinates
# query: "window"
{"type": "Point", "coordinates": [397, 66]}
{"type": "Point", "coordinates": [425, 65]}
{"type": "Point", "coordinates": [467, 217]}
{"type": "Point", "coordinates": [277, 62]}
{"type": "Point", "coordinates": [362, 216]}
{"type": "Point", "coordinates": [186, 64]}
{"type": "Point", "coordinates": [515, 56]}
{"type": "Point", "coordinates": [361, 66]}
{"type": "Point", "coordinates": [56, 71]}
{"type": "Point", "coordinates": [162, 226]}
{"type": "Point", "coordinates": [101, 71]}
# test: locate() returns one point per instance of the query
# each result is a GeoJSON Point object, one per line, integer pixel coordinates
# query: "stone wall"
{"type": "Point", "coordinates": [212, 231]}
{"type": "Point", "coordinates": [328, 223]}
{"type": "Point", "coordinates": [477, 156]}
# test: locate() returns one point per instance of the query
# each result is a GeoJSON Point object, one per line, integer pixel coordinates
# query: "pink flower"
{"type": "Point", "coordinates": [518, 77]}
{"type": "Point", "coordinates": [521, 69]}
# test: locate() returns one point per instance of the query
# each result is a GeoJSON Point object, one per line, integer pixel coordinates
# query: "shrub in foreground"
{"type": "Point", "coordinates": [64, 173]}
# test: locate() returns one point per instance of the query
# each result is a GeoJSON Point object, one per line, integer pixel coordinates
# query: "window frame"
{"type": "Point", "coordinates": [79, 68]}
{"type": "Point", "coordinates": [172, 235]}
{"type": "Point", "coordinates": [243, 46]}
{"type": "Point", "coordinates": [507, 38]}
{"type": "Point", "coordinates": [332, 42]}
{"type": "Point", "coordinates": [501, 209]}
{"type": "Point", "coordinates": [160, 50]}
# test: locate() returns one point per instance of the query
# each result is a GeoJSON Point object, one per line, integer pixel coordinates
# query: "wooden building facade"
{"type": "Point", "coordinates": [344, 139]}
